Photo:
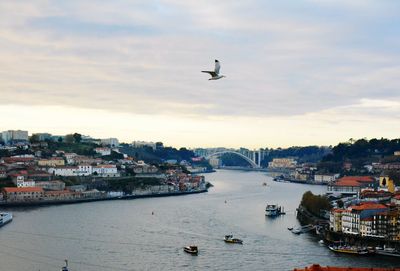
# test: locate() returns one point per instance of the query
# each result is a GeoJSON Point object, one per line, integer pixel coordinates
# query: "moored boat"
{"type": "Point", "coordinates": [230, 239]}
{"type": "Point", "coordinates": [5, 218]}
{"type": "Point", "coordinates": [191, 250]}
{"type": "Point", "coordinates": [351, 250]}
{"type": "Point", "coordinates": [387, 251]}
{"type": "Point", "coordinates": [273, 210]}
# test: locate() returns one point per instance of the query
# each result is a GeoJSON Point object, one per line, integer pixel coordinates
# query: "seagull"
{"type": "Point", "coordinates": [215, 74]}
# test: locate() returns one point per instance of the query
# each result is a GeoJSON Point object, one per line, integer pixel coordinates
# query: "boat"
{"type": "Point", "coordinates": [273, 210]}
{"type": "Point", "coordinates": [231, 240]}
{"type": "Point", "coordinates": [264, 184]}
{"type": "Point", "coordinates": [387, 251]}
{"type": "Point", "coordinates": [191, 250]}
{"type": "Point", "coordinates": [290, 228]}
{"type": "Point", "coordinates": [351, 249]}
{"type": "Point", "coordinates": [5, 218]}
{"type": "Point", "coordinates": [65, 268]}
{"type": "Point", "coordinates": [303, 229]}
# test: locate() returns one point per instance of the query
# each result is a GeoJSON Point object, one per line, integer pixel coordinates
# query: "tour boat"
{"type": "Point", "coordinates": [230, 239]}
{"type": "Point", "coordinates": [191, 250]}
{"type": "Point", "coordinates": [351, 250]}
{"type": "Point", "coordinates": [273, 210]}
{"type": "Point", "coordinates": [5, 218]}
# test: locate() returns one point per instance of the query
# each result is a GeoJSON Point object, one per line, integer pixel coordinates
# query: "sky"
{"type": "Point", "coordinates": [300, 72]}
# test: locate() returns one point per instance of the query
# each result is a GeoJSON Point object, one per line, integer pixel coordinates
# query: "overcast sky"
{"type": "Point", "coordinates": [298, 72]}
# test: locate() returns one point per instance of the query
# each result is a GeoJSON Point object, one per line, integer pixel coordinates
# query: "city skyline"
{"type": "Point", "coordinates": [298, 72]}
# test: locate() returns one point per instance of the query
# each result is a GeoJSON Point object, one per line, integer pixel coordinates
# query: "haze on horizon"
{"type": "Point", "coordinates": [298, 72]}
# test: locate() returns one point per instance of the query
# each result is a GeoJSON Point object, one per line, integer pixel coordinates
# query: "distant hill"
{"type": "Point", "coordinates": [359, 153]}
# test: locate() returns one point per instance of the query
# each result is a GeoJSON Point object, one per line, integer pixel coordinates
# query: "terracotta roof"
{"type": "Point", "coordinates": [354, 181]}
{"type": "Point", "coordinates": [22, 189]}
{"type": "Point", "coordinates": [368, 206]}
{"type": "Point", "coordinates": [358, 178]}
{"type": "Point", "coordinates": [317, 267]}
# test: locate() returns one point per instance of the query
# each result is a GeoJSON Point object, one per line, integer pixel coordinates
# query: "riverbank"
{"type": "Point", "coordinates": [124, 197]}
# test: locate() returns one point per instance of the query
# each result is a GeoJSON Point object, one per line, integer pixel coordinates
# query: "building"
{"type": "Point", "coordinates": [51, 162]}
{"type": "Point", "coordinates": [325, 178]}
{"type": "Point", "coordinates": [103, 151]}
{"type": "Point", "coordinates": [282, 163]}
{"type": "Point", "coordinates": [386, 184]}
{"type": "Point", "coordinates": [358, 219]}
{"type": "Point", "coordinates": [351, 185]}
{"type": "Point", "coordinates": [42, 136]}
{"type": "Point", "coordinates": [112, 142]}
{"type": "Point", "coordinates": [51, 185]}
{"type": "Point", "coordinates": [70, 157]}
{"type": "Point", "coordinates": [105, 171]}
{"type": "Point", "coordinates": [63, 171]}
{"type": "Point", "coordinates": [139, 144]}
{"type": "Point", "coordinates": [13, 136]}
{"type": "Point", "coordinates": [18, 194]}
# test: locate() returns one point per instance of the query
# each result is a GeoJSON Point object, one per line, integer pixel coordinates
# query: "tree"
{"type": "Point", "coordinates": [60, 139]}
{"type": "Point", "coordinates": [69, 138]}
{"type": "Point", "coordinates": [77, 137]}
{"type": "Point", "coordinates": [34, 138]}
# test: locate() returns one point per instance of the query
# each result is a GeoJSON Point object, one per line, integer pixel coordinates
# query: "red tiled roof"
{"type": "Point", "coordinates": [354, 181]}
{"type": "Point", "coordinates": [368, 206]}
{"type": "Point", "coordinates": [358, 178]}
{"type": "Point", "coordinates": [317, 267]}
{"type": "Point", "coordinates": [22, 189]}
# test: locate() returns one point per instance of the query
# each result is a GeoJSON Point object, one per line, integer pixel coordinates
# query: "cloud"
{"type": "Point", "coordinates": [281, 60]}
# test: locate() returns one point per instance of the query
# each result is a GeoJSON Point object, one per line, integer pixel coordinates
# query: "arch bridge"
{"type": "Point", "coordinates": [219, 153]}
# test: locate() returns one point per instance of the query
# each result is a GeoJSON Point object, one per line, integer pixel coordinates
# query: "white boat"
{"type": "Point", "coordinates": [5, 218]}
{"type": "Point", "coordinates": [387, 251]}
{"type": "Point", "coordinates": [303, 229]}
{"type": "Point", "coordinates": [273, 210]}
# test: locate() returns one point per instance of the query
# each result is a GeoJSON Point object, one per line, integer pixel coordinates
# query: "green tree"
{"type": "Point", "coordinates": [77, 137]}
{"type": "Point", "coordinates": [34, 138]}
{"type": "Point", "coordinates": [69, 138]}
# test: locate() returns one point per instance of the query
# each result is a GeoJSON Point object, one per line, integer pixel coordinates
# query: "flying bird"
{"type": "Point", "coordinates": [215, 74]}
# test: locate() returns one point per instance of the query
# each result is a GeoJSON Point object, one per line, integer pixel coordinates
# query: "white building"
{"type": "Point", "coordinates": [103, 151]}
{"type": "Point", "coordinates": [64, 171]}
{"type": "Point", "coordinates": [70, 157]}
{"type": "Point", "coordinates": [282, 163]}
{"type": "Point", "coordinates": [325, 178]}
{"type": "Point", "coordinates": [14, 135]}
{"type": "Point", "coordinates": [113, 142]}
{"type": "Point", "coordinates": [138, 144]}
{"type": "Point", "coordinates": [105, 170]}
{"type": "Point", "coordinates": [22, 183]}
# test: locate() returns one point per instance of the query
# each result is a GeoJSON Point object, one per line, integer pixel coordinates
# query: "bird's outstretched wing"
{"type": "Point", "coordinates": [217, 66]}
{"type": "Point", "coordinates": [213, 74]}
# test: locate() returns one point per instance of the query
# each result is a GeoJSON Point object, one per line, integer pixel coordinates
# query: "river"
{"type": "Point", "coordinates": [148, 234]}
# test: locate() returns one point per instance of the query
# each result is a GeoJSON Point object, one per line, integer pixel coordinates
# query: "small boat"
{"type": "Point", "coordinates": [5, 218]}
{"type": "Point", "coordinates": [303, 229]}
{"type": "Point", "coordinates": [65, 268]}
{"type": "Point", "coordinates": [191, 250]}
{"type": "Point", "coordinates": [231, 240]}
{"type": "Point", "coordinates": [387, 251]}
{"type": "Point", "coordinates": [351, 250]}
{"type": "Point", "coordinates": [273, 210]}
{"type": "Point", "coordinates": [290, 228]}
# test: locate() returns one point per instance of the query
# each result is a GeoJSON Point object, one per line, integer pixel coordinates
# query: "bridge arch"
{"type": "Point", "coordinates": [251, 162]}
